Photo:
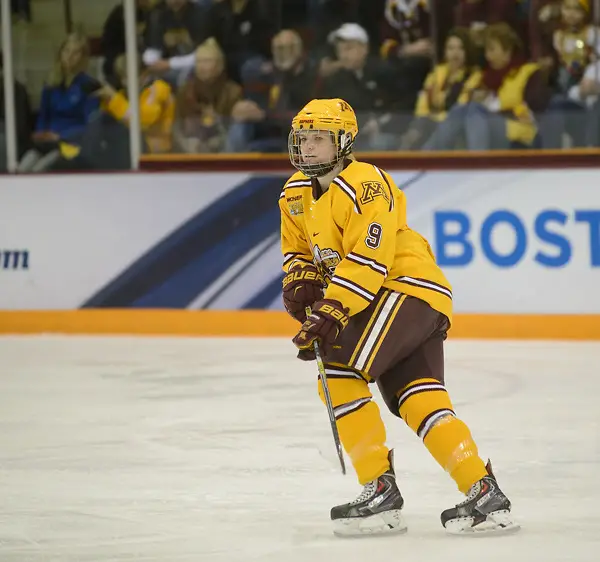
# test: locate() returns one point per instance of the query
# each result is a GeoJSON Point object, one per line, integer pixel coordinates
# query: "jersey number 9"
{"type": "Point", "coordinates": [373, 238]}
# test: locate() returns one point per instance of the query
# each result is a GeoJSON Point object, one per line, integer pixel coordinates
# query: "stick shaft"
{"type": "Point", "coordinates": [328, 402]}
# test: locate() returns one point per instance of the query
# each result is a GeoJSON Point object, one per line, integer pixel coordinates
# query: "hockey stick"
{"type": "Point", "coordinates": [328, 402]}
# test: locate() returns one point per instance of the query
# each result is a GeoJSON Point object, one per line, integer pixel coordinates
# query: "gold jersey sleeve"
{"type": "Point", "coordinates": [294, 243]}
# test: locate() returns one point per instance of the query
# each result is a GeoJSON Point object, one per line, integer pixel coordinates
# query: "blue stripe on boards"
{"type": "Point", "coordinates": [266, 296]}
{"type": "Point", "coordinates": [212, 225]}
{"type": "Point", "coordinates": [180, 289]}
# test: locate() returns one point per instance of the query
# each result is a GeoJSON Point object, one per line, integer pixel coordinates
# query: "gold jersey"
{"type": "Point", "coordinates": [356, 234]}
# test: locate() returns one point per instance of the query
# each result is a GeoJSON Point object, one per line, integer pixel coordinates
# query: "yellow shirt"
{"type": "Point", "coordinates": [432, 98]}
{"type": "Point", "coordinates": [356, 234]}
{"type": "Point", "coordinates": [157, 113]}
{"type": "Point", "coordinates": [511, 96]}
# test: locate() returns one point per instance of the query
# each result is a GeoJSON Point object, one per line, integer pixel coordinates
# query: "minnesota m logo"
{"type": "Point", "coordinates": [372, 189]}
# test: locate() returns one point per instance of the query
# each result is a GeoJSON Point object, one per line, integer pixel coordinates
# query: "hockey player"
{"type": "Point", "coordinates": [381, 308]}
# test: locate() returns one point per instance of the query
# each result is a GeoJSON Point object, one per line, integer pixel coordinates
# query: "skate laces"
{"type": "Point", "coordinates": [366, 493]}
{"type": "Point", "coordinates": [473, 492]}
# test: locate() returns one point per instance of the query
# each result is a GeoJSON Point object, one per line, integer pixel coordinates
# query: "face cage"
{"type": "Point", "coordinates": [344, 147]}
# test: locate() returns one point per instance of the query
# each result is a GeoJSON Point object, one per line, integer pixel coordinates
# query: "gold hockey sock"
{"type": "Point", "coordinates": [359, 422]}
{"type": "Point", "coordinates": [426, 408]}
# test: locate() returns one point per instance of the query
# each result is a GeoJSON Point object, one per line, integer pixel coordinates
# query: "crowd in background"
{"type": "Point", "coordinates": [228, 75]}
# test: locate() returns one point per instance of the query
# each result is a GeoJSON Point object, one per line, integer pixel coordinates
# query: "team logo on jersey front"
{"type": "Point", "coordinates": [371, 190]}
{"type": "Point", "coordinates": [326, 261]}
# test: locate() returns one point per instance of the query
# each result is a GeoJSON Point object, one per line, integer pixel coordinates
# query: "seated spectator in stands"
{"type": "Point", "coordinates": [104, 144]}
{"type": "Point", "coordinates": [175, 29]}
{"type": "Point", "coordinates": [577, 45]}
{"type": "Point", "coordinates": [67, 104]}
{"type": "Point", "coordinates": [364, 82]}
{"type": "Point", "coordinates": [408, 45]}
{"type": "Point", "coordinates": [157, 107]}
{"type": "Point", "coordinates": [501, 112]}
{"type": "Point", "coordinates": [244, 29]}
{"type": "Point", "coordinates": [113, 35]}
{"type": "Point", "coordinates": [23, 118]}
{"type": "Point", "coordinates": [205, 102]}
{"type": "Point", "coordinates": [407, 29]}
{"type": "Point", "coordinates": [273, 94]}
{"type": "Point", "coordinates": [449, 83]}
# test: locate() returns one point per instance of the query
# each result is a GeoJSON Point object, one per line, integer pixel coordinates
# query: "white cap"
{"type": "Point", "coordinates": [349, 32]}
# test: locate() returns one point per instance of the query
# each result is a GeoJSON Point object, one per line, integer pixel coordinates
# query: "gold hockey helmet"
{"type": "Point", "coordinates": [334, 116]}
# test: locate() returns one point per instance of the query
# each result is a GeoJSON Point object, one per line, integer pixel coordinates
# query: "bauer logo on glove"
{"type": "Point", "coordinates": [302, 287]}
{"type": "Point", "coordinates": [325, 323]}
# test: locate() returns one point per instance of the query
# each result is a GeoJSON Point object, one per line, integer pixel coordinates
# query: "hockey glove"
{"type": "Point", "coordinates": [325, 323]}
{"type": "Point", "coordinates": [302, 287]}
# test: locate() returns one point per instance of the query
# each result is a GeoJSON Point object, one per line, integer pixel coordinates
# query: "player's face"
{"type": "Point", "coordinates": [455, 52]}
{"type": "Point", "coordinates": [316, 147]}
{"type": "Point", "coordinates": [572, 13]}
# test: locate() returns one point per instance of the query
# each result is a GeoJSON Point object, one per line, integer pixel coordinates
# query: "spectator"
{"type": "Point", "coordinates": [408, 46]}
{"type": "Point", "coordinates": [66, 107]}
{"type": "Point", "coordinates": [205, 102]}
{"type": "Point", "coordinates": [364, 82]}
{"type": "Point", "coordinates": [501, 113]}
{"type": "Point", "coordinates": [23, 118]}
{"type": "Point", "coordinates": [576, 44]}
{"type": "Point", "coordinates": [274, 93]}
{"type": "Point", "coordinates": [113, 35]}
{"type": "Point", "coordinates": [157, 107]}
{"type": "Point", "coordinates": [449, 83]}
{"type": "Point", "coordinates": [407, 27]}
{"type": "Point", "coordinates": [175, 29]}
{"type": "Point", "coordinates": [244, 29]}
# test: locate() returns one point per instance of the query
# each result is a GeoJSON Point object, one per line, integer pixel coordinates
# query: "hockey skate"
{"type": "Point", "coordinates": [377, 510]}
{"type": "Point", "coordinates": [485, 511]}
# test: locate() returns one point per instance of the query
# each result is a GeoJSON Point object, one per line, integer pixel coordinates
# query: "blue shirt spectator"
{"type": "Point", "coordinates": [67, 104]}
{"type": "Point", "coordinates": [65, 109]}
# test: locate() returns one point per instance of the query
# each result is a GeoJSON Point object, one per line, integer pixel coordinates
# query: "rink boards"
{"type": "Point", "coordinates": [198, 253]}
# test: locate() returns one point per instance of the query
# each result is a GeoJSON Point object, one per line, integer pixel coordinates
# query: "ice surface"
{"type": "Point", "coordinates": [123, 449]}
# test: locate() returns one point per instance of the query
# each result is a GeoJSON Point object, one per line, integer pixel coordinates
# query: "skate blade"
{"type": "Point", "coordinates": [497, 523]}
{"type": "Point", "coordinates": [385, 523]}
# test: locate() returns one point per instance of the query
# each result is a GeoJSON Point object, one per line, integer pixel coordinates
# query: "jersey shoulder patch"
{"type": "Point", "coordinates": [291, 194]}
